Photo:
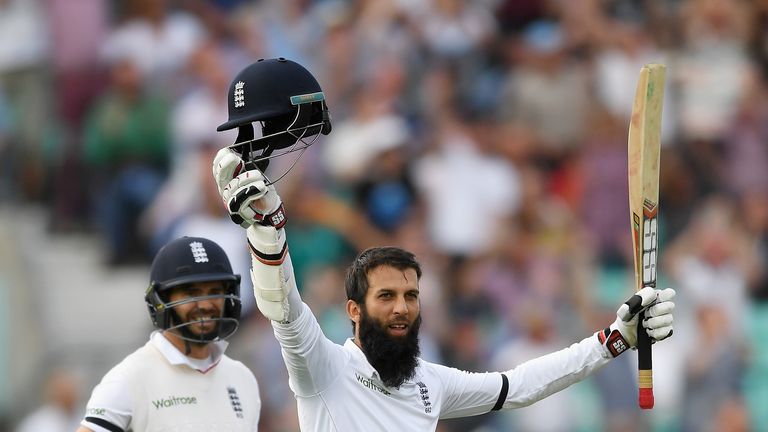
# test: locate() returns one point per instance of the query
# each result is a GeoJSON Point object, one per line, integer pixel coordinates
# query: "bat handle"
{"type": "Point", "coordinates": [644, 365]}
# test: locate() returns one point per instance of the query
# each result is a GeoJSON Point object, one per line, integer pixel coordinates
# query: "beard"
{"type": "Point", "coordinates": [394, 358]}
{"type": "Point", "coordinates": [194, 335]}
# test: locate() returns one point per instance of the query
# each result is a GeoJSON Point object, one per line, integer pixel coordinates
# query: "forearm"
{"type": "Point", "coordinates": [274, 284]}
{"type": "Point", "coordinates": [538, 378]}
{"type": "Point", "coordinates": [309, 357]}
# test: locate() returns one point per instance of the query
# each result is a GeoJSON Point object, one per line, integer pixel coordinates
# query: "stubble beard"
{"type": "Point", "coordinates": [394, 358]}
{"type": "Point", "coordinates": [197, 337]}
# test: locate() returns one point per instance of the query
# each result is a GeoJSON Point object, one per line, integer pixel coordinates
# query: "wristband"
{"type": "Point", "coordinates": [275, 219]}
{"type": "Point", "coordinates": [613, 340]}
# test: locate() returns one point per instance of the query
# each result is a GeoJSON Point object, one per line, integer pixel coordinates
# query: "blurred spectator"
{"type": "Point", "coordinates": [551, 254]}
{"type": "Point", "coordinates": [453, 29]}
{"type": "Point", "coordinates": [714, 77]}
{"type": "Point", "coordinates": [468, 306]}
{"type": "Point", "coordinates": [754, 208]}
{"type": "Point", "coordinates": [242, 39]}
{"type": "Point", "coordinates": [61, 409]}
{"type": "Point", "coordinates": [507, 273]}
{"type": "Point", "coordinates": [547, 92]}
{"type": "Point", "coordinates": [455, 169]}
{"type": "Point", "coordinates": [538, 338]}
{"type": "Point", "coordinates": [759, 37]}
{"type": "Point", "coordinates": [7, 182]}
{"type": "Point", "coordinates": [24, 79]}
{"type": "Point", "coordinates": [745, 154]}
{"type": "Point", "coordinates": [679, 190]}
{"type": "Point", "coordinates": [385, 30]}
{"type": "Point", "coordinates": [322, 220]}
{"type": "Point", "coordinates": [126, 148]}
{"type": "Point", "coordinates": [514, 15]}
{"type": "Point", "coordinates": [324, 293]}
{"type": "Point", "coordinates": [589, 23]}
{"type": "Point", "coordinates": [78, 79]}
{"type": "Point", "coordinates": [203, 105]}
{"type": "Point", "coordinates": [714, 374]}
{"type": "Point", "coordinates": [290, 29]}
{"type": "Point", "coordinates": [387, 195]}
{"type": "Point", "coordinates": [157, 39]}
{"type": "Point", "coordinates": [467, 342]}
{"type": "Point", "coordinates": [193, 121]}
{"type": "Point", "coordinates": [624, 49]}
{"type": "Point", "coordinates": [713, 71]}
{"type": "Point", "coordinates": [712, 259]}
{"type": "Point", "coordinates": [337, 59]}
{"type": "Point", "coordinates": [602, 169]}
{"type": "Point", "coordinates": [372, 129]}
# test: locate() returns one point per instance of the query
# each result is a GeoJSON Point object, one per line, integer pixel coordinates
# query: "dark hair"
{"type": "Point", "coordinates": [356, 282]}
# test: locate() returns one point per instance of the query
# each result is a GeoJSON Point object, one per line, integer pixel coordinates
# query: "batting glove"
{"type": "Point", "coordinates": [658, 307]}
{"type": "Point", "coordinates": [246, 196]}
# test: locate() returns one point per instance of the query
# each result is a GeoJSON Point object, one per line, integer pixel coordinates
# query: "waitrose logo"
{"type": "Point", "coordinates": [173, 401]}
{"type": "Point", "coordinates": [368, 383]}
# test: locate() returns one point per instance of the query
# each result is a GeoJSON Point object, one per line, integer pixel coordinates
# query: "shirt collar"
{"type": "Point", "coordinates": [176, 357]}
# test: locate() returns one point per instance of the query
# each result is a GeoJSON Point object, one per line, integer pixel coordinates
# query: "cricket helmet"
{"type": "Point", "coordinates": [288, 102]}
{"type": "Point", "coordinates": [183, 262]}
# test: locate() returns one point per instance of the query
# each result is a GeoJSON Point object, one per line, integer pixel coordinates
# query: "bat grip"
{"type": "Point", "coordinates": [644, 365]}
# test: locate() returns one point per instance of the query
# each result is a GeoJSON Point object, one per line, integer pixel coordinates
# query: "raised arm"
{"type": "Point", "coordinates": [541, 377]}
{"type": "Point", "coordinates": [312, 360]}
{"type": "Point", "coordinates": [473, 393]}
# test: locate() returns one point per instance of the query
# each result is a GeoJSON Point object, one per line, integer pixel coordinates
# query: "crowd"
{"type": "Point", "coordinates": [489, 137]}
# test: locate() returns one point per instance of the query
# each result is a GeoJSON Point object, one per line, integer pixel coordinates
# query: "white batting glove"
{"type": "Point", "coordinates": [246, 196]}
{"type": "Point", "coordinates": [658, 307]}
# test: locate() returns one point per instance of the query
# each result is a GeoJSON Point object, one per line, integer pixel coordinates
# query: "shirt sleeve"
{"type": "Point", "coordinates": [468, 394]}
{"type": "Point", "coordinates": [540, 377]}
{"type": "Point", "coordinates": [312, 360]}
{"type": "Point", "coordinates": [110, 408]}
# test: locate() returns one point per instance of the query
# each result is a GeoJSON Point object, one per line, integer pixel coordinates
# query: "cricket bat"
{"type": "Point", "coordinates": [643, 163]}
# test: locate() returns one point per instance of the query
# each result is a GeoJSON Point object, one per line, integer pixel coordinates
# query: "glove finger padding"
{"type": "Point", "coordinates": [226, 166]}
{"type": "Point", "coordinates": [240, 196]}
{"type": "Point", "coordinates": [659, 334]}
{"type": "Point", "coordinates": [637, 303]}
{"type": "Point", "coordinates": [244, 190]}
{"type": "Point", "coordinates": [659, 318]}
{"type": "Point", "coordinates": [666, 295]}
{"type": "Point", "coordinates": [659, 309]}
{"type": "Point", "coordinates": [661, 325]}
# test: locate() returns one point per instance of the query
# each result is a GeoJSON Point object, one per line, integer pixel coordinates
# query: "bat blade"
{"type": "Point", "coordinates": [644, 150]}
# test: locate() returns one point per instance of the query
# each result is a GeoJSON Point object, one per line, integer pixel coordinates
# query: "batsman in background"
{"type": "Point", "coordinates": [181, 379]}
{"type": "Point", "coordinates": [376, 380]}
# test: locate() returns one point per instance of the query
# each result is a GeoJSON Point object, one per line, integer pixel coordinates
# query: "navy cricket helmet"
{"type": "Point", "coordinates": [183, 262]}
{"type": "Point", "coordinates": [287, 101]}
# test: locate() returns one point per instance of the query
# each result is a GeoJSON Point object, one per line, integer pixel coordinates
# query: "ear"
{"type": "Point", "coordinates": [353, 311]}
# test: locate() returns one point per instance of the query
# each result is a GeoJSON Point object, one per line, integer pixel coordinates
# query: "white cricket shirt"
{"type": "Point", "coordinates": [157, 388]}
{"type": "Point", "coordinates": [338, 390]}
